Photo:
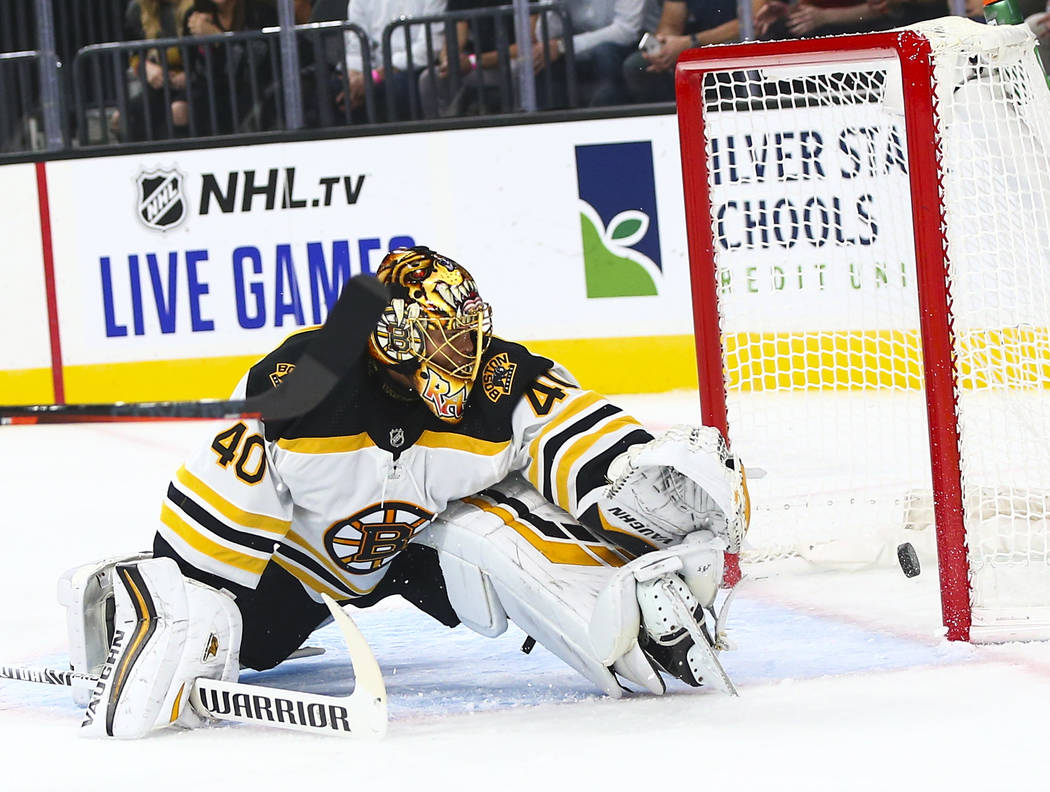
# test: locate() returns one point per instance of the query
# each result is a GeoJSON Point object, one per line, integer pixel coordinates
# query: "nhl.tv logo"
{"type": "Point", "coordinates": [618, 221]}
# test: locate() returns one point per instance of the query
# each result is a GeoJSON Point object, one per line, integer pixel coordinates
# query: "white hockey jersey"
{"type": "Point", "coordinates": [334, 496]}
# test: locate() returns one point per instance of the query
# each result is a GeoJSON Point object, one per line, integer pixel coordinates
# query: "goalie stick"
{"type": "Point", "coordinates": [362, 713]}
{"type": "Point", "coordinates": [331, 353]}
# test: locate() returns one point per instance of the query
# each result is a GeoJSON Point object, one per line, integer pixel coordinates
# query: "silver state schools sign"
{"type": "Point", "coordinates": [161, 200]}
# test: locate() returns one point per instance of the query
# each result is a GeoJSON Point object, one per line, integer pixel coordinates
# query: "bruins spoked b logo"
{"type": "Point", "coordinates": [363, 542]}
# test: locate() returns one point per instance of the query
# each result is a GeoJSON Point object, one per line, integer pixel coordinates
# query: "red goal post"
{"type": "Point", "coordinates": [867, 219]}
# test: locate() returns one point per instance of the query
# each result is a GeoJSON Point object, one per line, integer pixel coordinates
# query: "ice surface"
{"type": "Point", "coordinates": [845, 681]}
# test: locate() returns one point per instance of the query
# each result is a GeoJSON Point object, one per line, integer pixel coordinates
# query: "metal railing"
{"type": "Point", "coordinates": [17, 26]}
{"type": "Point", "coordinates": [232, 83]}
{"type": "Point", "coordinates": [112, 92]}
{"type": "Point", "coordinates": [77, 23]}
{"type": "Point", "coordinates": [223, 84]}
{"type": "Point", "coordinates": [498, 94]}
{"type": "Point", "coordinates": [22, 122]}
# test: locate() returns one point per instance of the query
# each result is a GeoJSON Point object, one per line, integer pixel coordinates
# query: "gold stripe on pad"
{"type": "Point", "coordinates": [212, 549]}
{"type": "Point", "coordinates": [568, 552]}
{"type": "Point", "coordinates": [606, 525]}
{"type": "Point", "coordinates": [234, 514]}
{"type": "Point", "coordinates": [176, 707]}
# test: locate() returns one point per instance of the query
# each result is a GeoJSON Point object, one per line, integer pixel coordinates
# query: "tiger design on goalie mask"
{"type": "Point", "coordinates": [435, 329]}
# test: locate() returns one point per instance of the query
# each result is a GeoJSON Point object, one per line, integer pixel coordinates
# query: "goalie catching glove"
{"type": "Point", "coordinates": [683, 481]}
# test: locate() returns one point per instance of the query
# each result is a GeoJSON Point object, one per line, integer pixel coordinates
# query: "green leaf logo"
{"type": "Point", "coordinates": [611, 268]}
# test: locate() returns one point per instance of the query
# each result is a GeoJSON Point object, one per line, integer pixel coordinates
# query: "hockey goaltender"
{"type": "Point", "coordinates": [473, 478]}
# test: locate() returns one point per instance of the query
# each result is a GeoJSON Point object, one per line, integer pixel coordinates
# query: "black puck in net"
{"type": "Point", "coordinates": [908, 559]}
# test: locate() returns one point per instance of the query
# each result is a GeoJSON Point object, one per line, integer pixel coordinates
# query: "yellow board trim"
{"type": "Point", "coordinates": [632, 364]}
{"type": "Point", "coordinates": [212, 549]}
{"type": "Point", "coordinates": [234, 514]}
{"type": "Point", "coordinates": [588, 359]}
{"type": "Point", "coordinates": [156, 380]}
{"type": "Point", "coordinates": [26, 386]}
{"type": "Point", "coordinates": [1017, 358]}
{"type": "Point", "coordinates": [861, 360]}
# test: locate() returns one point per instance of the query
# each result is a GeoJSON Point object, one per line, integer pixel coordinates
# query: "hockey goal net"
{"type": "Point", "coordinates": [870, 253]}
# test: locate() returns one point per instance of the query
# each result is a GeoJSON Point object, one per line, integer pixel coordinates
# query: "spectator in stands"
{"type": "Point", "coordinates": [1039, 22]}
{"type": "Point", "coordinates": [649, 72]}
{"type": "Point", "coordinates": [604, 34]}
{"type": "Point", "coordinates": [303, 11]}
{"type": "Point", "coordinates": [147, 109]}
{"type": "Point", "coordinates": [778, 19]}
{"type": "Point", "coordinates": [215, 111]}
{"type": "Point", "coordinates": [807, 18]}
{"type": "Point", "coordinates": [480, 71]}
{"type": "Point", "coordinates": [328, 10]}
{"type": "Point", "coordinates": [373, 16]}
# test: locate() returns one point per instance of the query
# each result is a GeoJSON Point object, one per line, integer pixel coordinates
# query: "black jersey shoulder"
{"type": "Point", "coordinates": [269, 371]}
{"type": "Point", "coordinates": [336, 415]}
{"type": "Point", "coordinates": [507, 371]}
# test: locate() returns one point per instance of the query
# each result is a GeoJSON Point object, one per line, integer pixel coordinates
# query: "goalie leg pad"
{"type": "Point", "coordinates": [86, 592]}
{"type": "Point", "coordinates": [167, 632]}
{"type": "Point", "coordinates": [493, 572]}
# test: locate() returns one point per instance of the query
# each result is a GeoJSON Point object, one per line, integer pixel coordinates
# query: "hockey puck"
{"type": "Point", "coordinates": [908, 559]}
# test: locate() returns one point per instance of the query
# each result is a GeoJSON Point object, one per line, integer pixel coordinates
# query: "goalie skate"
{"type": "Point", "coordinates": [705, 665]}
{"type": "Point", "coordinates": [669, 611]}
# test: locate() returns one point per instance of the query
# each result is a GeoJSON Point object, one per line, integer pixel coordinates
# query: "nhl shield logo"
{"type": "Point", "coordinates": [161, 200]}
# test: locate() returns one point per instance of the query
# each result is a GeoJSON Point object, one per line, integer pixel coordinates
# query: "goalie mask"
{"type": "Point", "coordinates": [435, 329]}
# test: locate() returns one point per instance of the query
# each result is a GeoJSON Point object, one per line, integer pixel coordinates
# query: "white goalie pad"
{"type": "Point", "coordinates": [502, 557]}
{"type": "Point", "coordinates": [86, 592]}
{"type": "Point", "coordinates": [499, 563]}
{"type": "Point", "coordinates": [685, 480]}
{"type": "Point", "coordinates": [167, 632]}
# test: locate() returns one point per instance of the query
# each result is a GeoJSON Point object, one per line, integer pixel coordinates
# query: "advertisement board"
{"type": "Point", "coordinates": [174, 271]}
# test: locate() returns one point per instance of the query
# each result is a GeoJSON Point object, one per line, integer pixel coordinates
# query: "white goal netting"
{"type": "Point", "coordinates": [812, 215]}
